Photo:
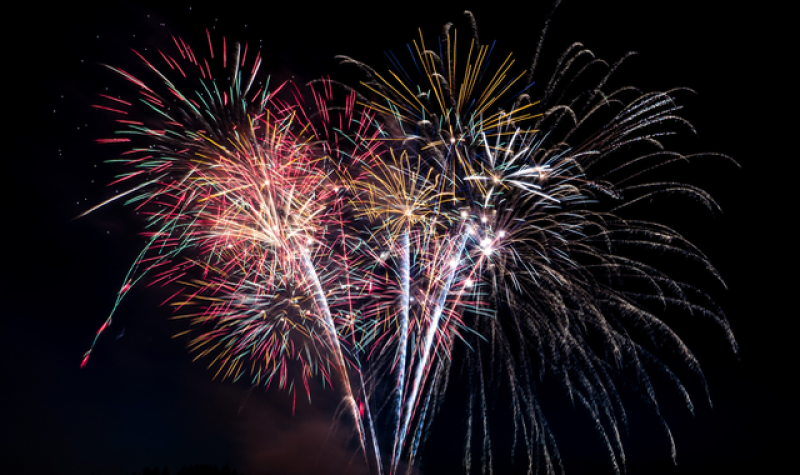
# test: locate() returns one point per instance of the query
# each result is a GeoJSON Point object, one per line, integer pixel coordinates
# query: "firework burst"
{"type": "Point", "coordinates": [539, 269]}
{"type": "Point", "coordinates": [429, 212]}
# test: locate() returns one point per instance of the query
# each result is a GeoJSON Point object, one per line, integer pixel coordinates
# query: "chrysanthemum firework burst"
{"type": "Point", "coordinates": [243, 212]}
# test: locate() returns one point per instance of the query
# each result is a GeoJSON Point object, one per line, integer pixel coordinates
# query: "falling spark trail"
{"type": "Point", "coordinates": [402, 345]}
{"type": "Point", "coordinates": [427, 345]}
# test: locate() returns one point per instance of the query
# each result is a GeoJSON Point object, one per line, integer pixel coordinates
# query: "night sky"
{"type": "Point", "coordinates": [141, 401]}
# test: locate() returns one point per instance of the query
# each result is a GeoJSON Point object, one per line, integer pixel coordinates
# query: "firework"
{"type": "Point", "coordinates": [246, 218]}
{"type": "Point", "coordinates": [516, 218]}
{"type": "Point", "coordinates": [428, 213]}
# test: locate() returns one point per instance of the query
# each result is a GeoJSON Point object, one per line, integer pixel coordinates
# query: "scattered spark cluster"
{"type": "Point", "coordinates": [368, 234]}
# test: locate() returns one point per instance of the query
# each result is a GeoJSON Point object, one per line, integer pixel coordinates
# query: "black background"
{"type": "Point", "coordinates": [142, 402]}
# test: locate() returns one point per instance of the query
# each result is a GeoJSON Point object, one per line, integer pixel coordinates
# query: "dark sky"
{"type": "Point", "coordinates": [142, 402]}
